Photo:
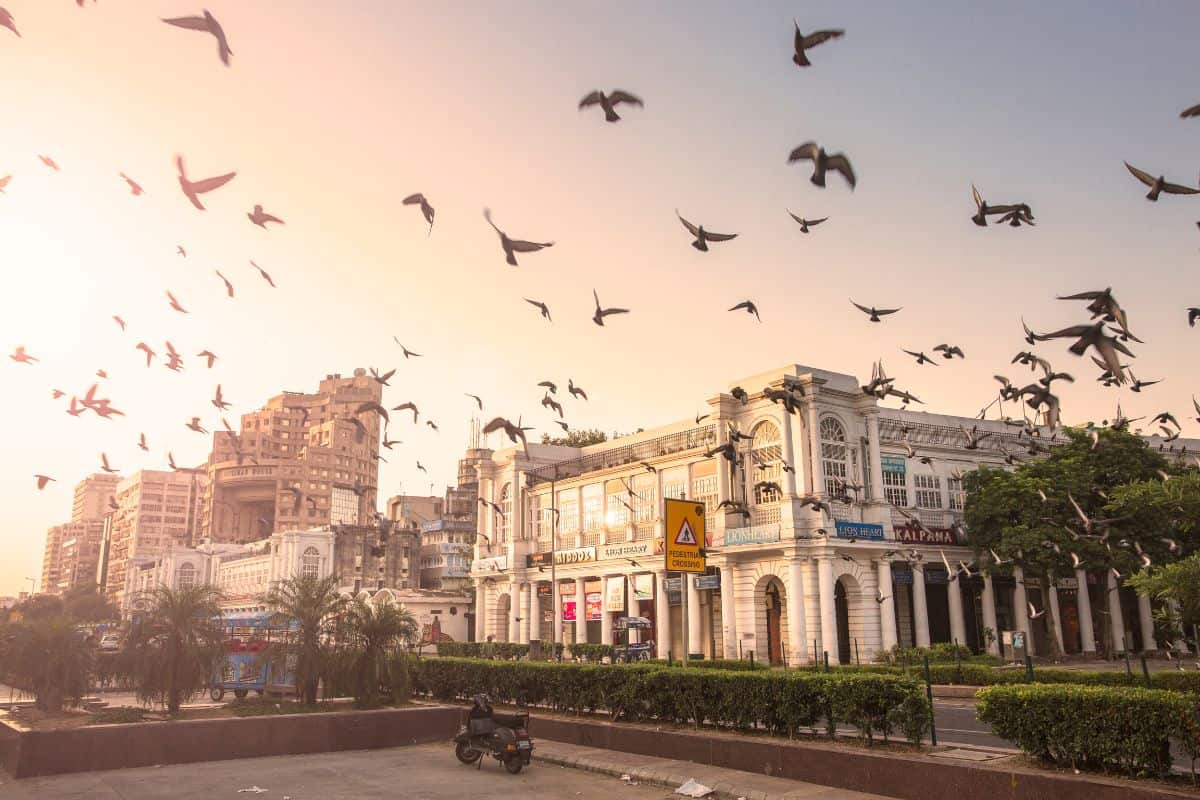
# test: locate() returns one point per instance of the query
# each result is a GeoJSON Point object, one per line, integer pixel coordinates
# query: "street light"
{"type": "Point", "coordinates": [32, 585]}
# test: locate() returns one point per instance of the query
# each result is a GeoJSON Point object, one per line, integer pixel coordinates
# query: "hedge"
{"type": "Point", "coordinates": [779, 702]}
{"type": "Point", "coordinates": [984, 675]}
{"type": "Point", "coordinates": [1126, 729]}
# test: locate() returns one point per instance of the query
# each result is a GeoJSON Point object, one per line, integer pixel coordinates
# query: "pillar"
{"type": "Point", "coordinates": [1021, 608]}
{"type": "Point", "coordinates": [1057, 626]}
{"type": "Point", "coordinates": [531, 626]}
{"type": "Point", "coordinates": [728, 612]}
{"type": "Point", "coordinates": [1083, 601]}
{"type": "Point", "coordinates": [876, 459]}
{"type": "Point", "coordinates": [920, 609]}
{"type": "Point", "coordinates": [723, 487]}
{"type": "Point", "coordinates": [789, 476]}
{"type": "Point", "coordinates": [797, 627]}
{"type": "Point", "coordinates": [606, 620]}
{"type": "Point", "coordinates": [662, 615]}
{"type": "Point", "coordinates": [958, 624]}
{"type": "Point", "coordinates": [580, 610]}
{"type": "Point", "coordinates": [1116, 621]}
{"type": "Point", "coordinates": [514, 611]}
{"type": "Point", "coordinates": [829, 631]}
{"type": "Point", "coordinates": [693, 618]}
{"type": "Point", "coordinates": [480, 610]}
{"type": "Point", "coordinates": [988, 601]}
{"type": "Point", "coordinates": [556, 600]}
{"type": "Point", "coordinates": [814, 446]}
{"type": "Point", "coordinates": [1146, 620]}
{"type": "Point", "coordinates": [887, 609]}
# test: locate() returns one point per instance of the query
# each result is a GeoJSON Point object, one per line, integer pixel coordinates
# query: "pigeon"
{"type": "Point", "coordinates": [1159, 184]}
{"type": "Point", "coordinates": [150, 354]}
{"type": "Point", "coordinates": [4, 179]}
{"type": "Point", "coordinates": [576, 391]}
{"type": "Point", "coordinates": [551, 403]}
{"type": "Point", "coordinates": [875, 313]}
{"type": "Point", "coordinates": [703, 237]}
{"type": "Point", "coordinates": [1034, 613]}
{"type": "Point", "coordinates": [739, 394]}
{"type": "Point", "coordinates": [261, 218]}
{"type": "Point", "coordinates": [407, 353]}
{"type": "Point", "coordinates": [265, 276]}
{"type": "Point", "coordinates": [513, 246]}
{"type": "Point", "coordinates": [1018, 216]}
{"type": "Point", "coordinates": [409, 406]}
{"type": "Point", "coordinates": [566, 428]}
{"type": "Point", "coordinates": [822, 162]}
{"type": "Point", "coordinates": [701, 417]}
{"type": "Point", "coordinates": [134, 187]}
{"type": "Point", "coordinates": [515, 433]}
{"type": "Point", "coordinates": [1138, 384]}
{"type": "Point", "coordinates": [803, 43]}
{"type": "Point", "coordinates": [195, 425]}
{"type": "Point", "coordinates": [426, 209]}
{"type": "Point", "coordinates": [370, 405]}
{"type": "Point", "coordinates": [21, 357]}
{"type": "Point", "coordinates": [219, 401]}
{"type": "Point", "coordinates": [42, 480]}
{"type": "Point", "coordinates": [750, 308]}
{"type": "Point", "coordinates": [382, 380]}
{"type": "Point", "coordinates": [104, 465]}
{"type": "Point", "coordinates": [1190, 112]}
{"type": "Point", "coordinates": [208, 355]}
{"type": "Point", "coordinates": [1193, 314]}
{"type": "Point", "coordinates": [920, 357]}
{"type": "Point", "coordinates": [600, 313]}
{"type": "Point", "coordinates": [175, 304]}
{"type": "Point", "coordinates": [550, 385]}
{"type": "Point", "coordinates": [119, 321]}
{"type": "Point", "coordinates": [181, 250]}
{"type": "Point", "coordinates": [805, 224]}
{"type": "Point", "coordinates": [949, 351]}
{"type": "Point", "coordinates": [193, 189]}
{"type": "Point", "coordinates": [49, 162]}
{"type": "Point", "coordinates": [607, 101]}
{"type": "Point", "coordinates": [1094, 335]}
{"type": "Point", "coordinates": [542, 307]}
{"type": "Point", "coordinates": [208, 23]}
{"type": "Point", "coordinates": [228, 285]}
{"type": "Point", "coordinates": [1013, 214]}
{"type": "Point", "coordinates": [6, 21]}
{"type": "Point", "coordinates": [142, 443]}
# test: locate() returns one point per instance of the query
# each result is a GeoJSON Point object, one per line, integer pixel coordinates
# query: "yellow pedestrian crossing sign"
{"type": "Point", "coordinates": [684, 536]}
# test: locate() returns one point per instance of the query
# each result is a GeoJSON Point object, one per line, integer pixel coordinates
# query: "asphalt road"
{"type": "Point", "coordinates": [956, 724]}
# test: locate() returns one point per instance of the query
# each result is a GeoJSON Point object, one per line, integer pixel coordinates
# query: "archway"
{"type": "Point", "coordinates": [842, 609]}
{"type": "Point", "coordinates": [500, 616]}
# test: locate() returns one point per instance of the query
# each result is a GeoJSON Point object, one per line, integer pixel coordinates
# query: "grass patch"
{"type": "Point", "coordinates": [116, 716]}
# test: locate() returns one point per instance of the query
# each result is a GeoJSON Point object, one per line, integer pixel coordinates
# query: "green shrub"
{"type": "Point", "coordinates": [1119, 728]}
{"type": "Point", "coordinates": [116, 716]}
{"type": "Point", "coordinates": [264, 707]}
{"type": "Point", "coordinates": [591, 653]}
{"type": "Point", "coordinates": [507, 651]}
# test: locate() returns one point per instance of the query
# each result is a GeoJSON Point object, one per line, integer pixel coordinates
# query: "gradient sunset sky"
{"type": "Point", "coordinates": [333, 112]}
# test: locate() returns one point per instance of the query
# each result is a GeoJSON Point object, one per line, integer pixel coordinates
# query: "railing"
{"type": "Point", "coordinates": [924, 433]}
{"type": "Point", "coordinates": [643, 531]}
{"type": "Point", "coordinates": [589, 538]}
{"type": "Point", "coordinates": [764, 515]}
{"type": "Point", "coordinates": [703, 436]}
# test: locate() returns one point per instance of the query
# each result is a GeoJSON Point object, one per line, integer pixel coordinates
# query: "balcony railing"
{"type": "Point", "coordinates": [643, 531]}
{"type": "Point", "coordinates": [691, 439]}
{"type": "Point", "coordinates": [764, 515]}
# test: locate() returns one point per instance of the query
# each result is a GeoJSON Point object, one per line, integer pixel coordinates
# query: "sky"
{"type": "Point", "coordinates": [331, 114]}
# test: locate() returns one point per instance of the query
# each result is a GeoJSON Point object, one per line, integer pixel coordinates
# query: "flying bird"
{"type": "Point", "coordinates": [1159, 184]}
{"type": "Point", "coordinates": [1190, 112]}
{"type": "Point", "coordinates": [600, 313]}
{"type": "Point", "coordinates": [266, 277]}
{"type": "Point", "coordinates": [175, 304]}
{"type": "Point", "coordinates": [142, 443]}
{"type": "Point", "coordinates": [228, 285]}
{"type": "Point", "coordinates": [515, 433]}
{"type": "Point", "coordinates": [550, 385]}
{"type": "Point", "coordinates": [1139, 384]}
{"type": "Point", "coordinates": [407, 353]}
{"type": "Point", "coordinates": [551, 403]}
{"type": "Point", "coordinates": [566, 428]}
{"type": "Point", "coordinates": [49, 162]}
{"type": "Point", "coordinates": [805, 224]}
{"type": "Point", "coordinates": [875, 313]}
{"type": "Point", "coordinates": [150, 354]}
{"type": "Point", "coordinates": [803, 43]}
{"type": "Point", "coordinates": [1034, 613]}
{"type": "Point", "coordinates": [701, 417]}
{"type": "Point", "coordinates": [703, 237]}
{"type": "Point", "coordinates": [219, 401]}
{"type": "Point", "coordinates": [823, 162]}
{"type": "Point", "coordinates": [104, 465]}
{"type": "Point", "coordinates": [6, 21]}
{"type": "Point", "coordinates": [1013, 214]}
{"type": "Point", "coordinates": [4, 179]}
{"type": "Point", "coordinates": [371, 405]}
{"type": "Point", "coordinates": [576, 391]}
{"type": "Point", "coordinates": [134, 187]}
{"type": "Point", "coordinates": [261, 218]}
{"type": "Point", "coordinates": [920, 357]}
{"type": "Point", "coordinates": [195, 425]}
{"type": "Point", "coordinates": [750, 308]}
{"type": "Point", "coordinates": [208, 23]}
{"type": "Point", "coordinates": [181, 250]}
{"type": "Point", "coordinates": [1094, 335]}
{"type": "Point", "coordinates": [409, 406]}
{"type": "Point", "coordinates": [607, 101]}
{"type": "Point", "coordinates": [513, 246]}
{"type": "Point", "coordinates": [193, 189]}
{"type": "Point", "coordinates": [119, 321]}
{"type": "Point", "coordinates": [1193, 315]}
{"type": "Point", "coordinates": [21, 357]}
{"type": "Point", "coordinates": [540, 306]}
{"type": "Point", "coordinates": [42, 480]}
{"type": "Point", "coordinates": [739, 394]}
{"type": "Point", "coordinates": [383, 379]}
{"type": "Point", "coordinates": [208, 355]}
{"type": "Point", "coordinates": [426, 209]}
{"type": "Point", "coordinates": [949, 351]}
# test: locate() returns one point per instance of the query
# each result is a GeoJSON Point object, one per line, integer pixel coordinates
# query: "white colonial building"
{"type": "Point", "coordinates": [579, 538]}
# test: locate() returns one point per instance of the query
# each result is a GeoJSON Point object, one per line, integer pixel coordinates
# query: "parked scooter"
{"type": "Point", "coordinates": [503, 736]}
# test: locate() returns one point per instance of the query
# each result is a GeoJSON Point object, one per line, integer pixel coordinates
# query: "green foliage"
{"type": "Point", "coordinates": [577, 438]}
{"type": "Point", "coordinates": [368, 637]}
{"type": "Point", "coordinates": [780, 702]}
{"type": "Point", "coordinates": [116, 716]}
{"type": "Point", "coordinates": [720, 663]}
{"type": "Point", "coordinates": [975, 674]}
{"type": "Point", "coordinates": [591, 653]}
{"type": "Point", "coordinates": [312, 605]}
{"type": "Point", "coordinates": [506, 651]}
{"type": "Point", "coordinates": [266, 707]}
{"type": "Point", "coordinates": [941, 652]}
{"type": "Point", "coordinates": [1179, 581]}
{"type": "Point", "coordinates": [85, 604]}
{"type": "Point", "coordinates": [1125, 729]}
{"type": "Point", "coordinates": [47, 657]}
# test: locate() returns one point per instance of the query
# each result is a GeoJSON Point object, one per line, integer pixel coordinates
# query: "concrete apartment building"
{"type": "Point", "coordinates": [72, 549]}
{"type": "Point", "coordinates": [301, 461]}
{"type": "Point", "coordinates": [94, 497]}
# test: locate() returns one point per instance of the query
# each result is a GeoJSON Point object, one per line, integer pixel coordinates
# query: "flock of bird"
{"type": "Point", "coordinates": [1106, 334]}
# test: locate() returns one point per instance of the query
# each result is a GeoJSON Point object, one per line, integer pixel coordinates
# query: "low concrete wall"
{"type": "Point", "coordinates": [28, 753]}
{"type": "Point", "coordinates": [910, 777]}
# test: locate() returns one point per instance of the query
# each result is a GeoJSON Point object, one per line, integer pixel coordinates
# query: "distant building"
{"type": "Point", "coordinates": [374, 557]}
{"type": "Point", "coordinates": [79, 551]}
{"type": "Point", "coordinates": [301, 461]}
{"type": "Point", "coordinates": [71, 551]}
{"type": "Point", "coordinates": [94, 497]}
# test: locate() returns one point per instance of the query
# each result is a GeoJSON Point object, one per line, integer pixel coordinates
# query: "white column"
{"type": "Point", "coordinates": [728, 612]}
{"type": "Point", "coordinates": [606, 620]}
{"type": "Point", "coordinates": [958, 624]}
{"type": "Point", "coordinates": [1083, 602]}
{"type": "Point", "coordinates": [988, 601]}
{"type": "Point", "coordinates": [920, 609]}
{"type": "Point", "coordinates": [797, 626]}
{"type": "Point", "coordinates": [1021, 607]}
{"type": "Point", "coordinates": [813, 466]}
{"type": "Point", "coordinates": [662, 615]}
{"type": "Point", "coordinates": [1181, 646]}
{"type": "Point", "coordinates": [876, 460]}
{"type": "Point", "coordinates": [531, 626]}
{"type": "Point", "coordinates": [789, 476]}
{"type": "Point", "coordinates": [1115, 619]}
{"type": "Point", "coordinates": [556, 600]}
{"type": "Point", "coordinates": [829, 631]}
{"type": "Point", "coordinates": [514, 611]}
{"type": "Point", "coordinates": [480, 610]}
{"type": "Point", "coordinates": [1146, 620]}
{"type": "Point", "coordinates": [580, 610]}
{"type": "Point", "coordinates": [695, 637]}
{"type": "Point", "coordinates": [1057, 627]}
{"type": "Point", "coordinates": [887, 609]}
{"type": "Point", "coordinates": [723, 487]}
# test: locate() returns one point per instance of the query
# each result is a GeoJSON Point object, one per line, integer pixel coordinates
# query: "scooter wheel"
{"type": "Point", "coordinates": [513, 764]}
{"type": "Point", "coordinates": [466, 754]}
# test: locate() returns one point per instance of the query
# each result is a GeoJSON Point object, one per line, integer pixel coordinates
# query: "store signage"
{"type": "Point", "coordinates": [595, 606]}
{"type": "Point", "coordinates": [642, 549]}
{"type": "Point", "coordinates": [909, 533]}
{"type": "Point", "coordinates": [684, 534]}
{"type": "Point", "coordinates": [493, 564]}
{"type": "Point", "coordinates": [545, 590]}
{"type": "Point", "coordinates": [643, 587]}
{"type": "Point", "coordinates": [673, 587]}
{"type": "Point", "coordinates": [707, 581]}
{"type": "Point", "coordinates": [568, 610]}
{"type": "Point", "coordinates": [896, 464]}
{"type": "Point", "coordinates": [577, 555]}
{"type": "Point", "coordinates": [433, 525]}
{"type": "Point", "coordinates": [614, 593]}
{"type": "Point", "coordinates": [751, 535]}
{"type": "Point", "coordinates": [1067, 583]}
{"type": "Point", "coordinates": [858, 530]}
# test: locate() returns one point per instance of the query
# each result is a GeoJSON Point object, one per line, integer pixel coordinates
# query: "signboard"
{"type": "Point", "coordinates": [493, 564]}
{"type": "Point", "coordinates": [614, 593]}
{"type": "Point", "coordinates": [577, 555]}
{"type": "Point", "coordinates": [911, 534]}
{"type": "Point", "coordinates": [545, 590]}
{"type": "Point", "coordinates": [672, 586]}
{"type": "Point", "coordinates": [684, 536]}
{"type": "Point", "coordinates": [568, 610]}
{"type": "Point", "coordinates": [1067, 583]}
{"type": "Point", "coordinates": [642, 549]}
{"type": "Point", "coordinates": [433, 525]}
{"type": "Point", "coordinates": [707, 581]}
{"type": "Point", "coordinates": [751, 535]}
{"type": "Point", "coordinates": [643, 587]}
{"type": "Point", "coordinates": [858, 530]}
{"type": "Point", "coordinates": [896, 464]}
{"type": "Point", "coordinates": [594, 606]}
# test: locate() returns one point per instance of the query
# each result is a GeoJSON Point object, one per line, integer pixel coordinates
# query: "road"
{"type": "Point", "coordinates": [956, 724]}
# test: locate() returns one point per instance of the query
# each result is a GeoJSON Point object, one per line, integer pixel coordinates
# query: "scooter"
{"type": "Point", "coordinates": [503, 736]}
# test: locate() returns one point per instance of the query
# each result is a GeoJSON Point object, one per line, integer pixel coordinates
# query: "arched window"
{"type": "Point", "coordinates": [766, 461]}
{"type": "Point", "coordinates": [310, 563]}
{"type": "Point", "coordinates": [834, 454]}
{"type": "Point", "coordinates": [185, 576]}
{"type": "Point", "coordinates": [505, 503]}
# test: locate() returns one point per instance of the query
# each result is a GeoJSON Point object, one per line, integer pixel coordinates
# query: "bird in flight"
{"type": "Point", "coordinates": [1014, 214]}
{"type": "Point", "coordinates": [181, 250]}
{"type": "Point", "coordinates": [805, 224]}
{"type": "Point", "coordinates": [142, 443]}
{"type": "Point", "coordinates": [515, 433]}
{"type": "Point", "coordinates": [949, 351]}
{"type": "Point", "coordinates": [823, 162]}
{"type": "Point", "coordinates": [382, 379]}
{"type": "Point", "coordinates": [193, 189]}
{"type": "Point", "coordinates": [552, 404]}
{"type": "Point", "coordinates": [426, 209]}
{"type": "Point", "coordinates": [607, 101]}
{"type": "Point", "coordinates": [513, 246]}
{"type": "Point", "coordinates": [175, 304]}
{"type": "Point", "coordinates": [407, 352]}
{"type": "Point", "coordinates": [174, 361]}
{"type": "Point", "coordinates": [703, 237]}
{"type": "Point", "coordinates": [218, 400]}
{"type": "Point", "coordinates": [195, 425]}
{"type": "Point", "coordinates": [135, 188]}
{"type": "Point", "coordinates": [49, 162]}
{"type": "Point", "coordinates": [750, 308]}
{"type": "Point", "coordinates": [803, 43]}
{"type": "Point", "coordinates": [410, 406]}
{"type": "Point", "coordinates": [266, 277]}
{"type": "Point", "coordinates": [42, 480]}
{"type": "Point", "coordinates": [21, 357]}
{"type": "Point", "coordinates": [1139, 384]}
{"type": "Point", "coordinates": [1159, 184]}
{"type": "Point", "coordinates": [119, 321]}
{"type": "Point", "coordinates": [208, 23]}
{"type": "Point", "coordinates": [6, 21]}
{"type": "Point", "coordinates": [551, 386]}
{"type": "Point", "coordinates": [104, 465]}
{"type": "Point", "coordinates": [601, 313]}
{"type": "Point", "coordinates": [150, 354]}
{"type": "Point", "coordinates": [1193, 315]}
{"type": "Point", "coordinates": [920, 357]}
{"type": "Point", "coordinates": [575, 391]}
{"type": "Point", "coordinates": [228, 285]}
{"type": "Point", "coordinates": [538, 304]}
{"type": "Point", "coordinates": [1094, 335]}
{"type": "Point", "coordinates": [4, 182]}
{"type": "Point", "coordinates": [476, 398]}
{"type": "Point", "coordinates": [875, 313]}
{"type": "Point", "coordinates": [1194, 111]}
{"type": "Point", "coordinates": [261, 218]}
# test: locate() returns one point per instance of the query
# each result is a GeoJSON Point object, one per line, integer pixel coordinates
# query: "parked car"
{"type": "Point", "coordinates": [109, 643]}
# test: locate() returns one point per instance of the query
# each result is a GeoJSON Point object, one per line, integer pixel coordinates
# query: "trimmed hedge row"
{"type": "Point", "coordinates": [779, 702]}
{"type": "Point", "coordinates": [1126, 729]}
{"type": "Point", "coordinates": [984, 675]}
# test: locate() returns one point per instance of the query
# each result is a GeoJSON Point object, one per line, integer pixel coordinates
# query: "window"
{"type": "Point", "coordinates": [704, 487]}
{"type": "Point", "coordinates": [310, 563]}
{"type": "Point", "coordinates": [958, 496]}
{"type": "Point", "coordinates": [616, 514]}
{"type": "Point", "coordinates": [895, 488]}
{"type": "Point", "coordinates": [343, 507]}
{"type": "Point", "coordinates": [593, 507]}
{"type": "Point", "coordinates": [502, 519]}
{"type": "Point", "coordinates": [833, 455]}
{"type": "Point", "coordinates": [185, 576]}
{"type": "Point", "coordinates": [674, 483]}
{"type": "Point", "coordinates": [645, 501]}
{"type": "Point", "coordinates": [568, 512]}
{"type": "Point", "coordinates": [536, 517]}
{"type": "Point", "coordinates": [766, 460]}
{"type": "Point", "coordinates": [929, 491]}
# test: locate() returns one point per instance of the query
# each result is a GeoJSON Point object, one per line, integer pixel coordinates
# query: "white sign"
{"type": "Point", "coordinates": [493, 564]}
{"type": "Point", "coordinates": [642, 549]}
{"type": "Point", "coordinates": [614, 593]}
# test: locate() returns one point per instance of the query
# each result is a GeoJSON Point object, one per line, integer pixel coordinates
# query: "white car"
{"type": "Point", "coordinates": [110, 642]}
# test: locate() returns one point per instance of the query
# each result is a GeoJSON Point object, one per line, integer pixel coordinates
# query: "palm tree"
{"type": "Point", "coordinates": [174, 650]}
{"type": "Point", "coordinates": [48, 658]}
{"type": "Point", "coordinates": [309, 606]}
{"type": "Point", "coordinates": [374, 633]}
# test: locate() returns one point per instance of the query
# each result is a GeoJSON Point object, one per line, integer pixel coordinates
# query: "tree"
{"type": "Point", "coordinates": [1179, 582]}
{"type": "Point", "coordinates": [309, 605]}
{"type": "Point", "coordinates": [373, 634]}
{"type": "Point", "coordinates": [85, 604]}
{"type": "Point", "coordinates": [577, 438]}
{"type": "Point", "coordinates": [48, 658]}
{"type": "Point", "coordinates": [175, 648]}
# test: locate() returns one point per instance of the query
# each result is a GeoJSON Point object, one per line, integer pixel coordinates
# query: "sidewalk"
{"type": "Point", "coordinates": [727, 784]}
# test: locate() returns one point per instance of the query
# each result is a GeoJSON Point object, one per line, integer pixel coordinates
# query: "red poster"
{"type": "Point", "coordinates": [568, 610]}
{"type": "Point", "coordinates": [595, 606]}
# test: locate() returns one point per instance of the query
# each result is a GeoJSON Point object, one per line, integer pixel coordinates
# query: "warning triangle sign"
{"type": "Point", "coordinates": [685, 535]}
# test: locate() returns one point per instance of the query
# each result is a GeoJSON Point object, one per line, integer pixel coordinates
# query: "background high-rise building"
{"type": "Point", "coordinates": [301, 461]}
{"type": "Point", "coordinates": [94, 496]}
{"type": "Point", "coordinates": [72, 549]}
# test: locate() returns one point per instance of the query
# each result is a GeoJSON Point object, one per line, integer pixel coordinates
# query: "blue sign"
{"type": "Point", "coordinates": [707, 581]}
{"type": "Point", "coordinates": [858, 530]}
{"type": "Point", "coordinates": [897, 464]}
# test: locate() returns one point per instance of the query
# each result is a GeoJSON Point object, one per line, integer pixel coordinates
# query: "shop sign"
{"type": "Point", "coordinates": [936, 576]}
{"type": "Point", "coordinates": [707, 581]}
{"type": "Point", "coordinates": [577, 555]}
{"type": "Point", "coordinates": [568, 610]}
{"type": "Point", "coordinates": [672, 586]}
{"type": "Point", "coordinates": [643, 587]}
{"type": "Point", "coordinates": [595, 606]}
{"type": "Point", "coordinates": [753, 534]}
{"type": "Point", "coordinates": [858, 530]}
{"type": "Point", "coordinates": [642, 549]}
{"type": "Point", "coordinates": [894, 464]}
{"type": "Point", "coordinates": [545, 590]}
{"type": "Point", "coordinates": [911, 534]}
{"type": "Point", "coordinates": [1067, 583]}
{"type": "Point", "coordinates": [492, 564]}
{"type": "Point", "coordinates": [614, 593]}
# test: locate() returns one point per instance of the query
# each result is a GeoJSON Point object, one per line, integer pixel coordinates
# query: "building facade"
{"type": "Point", "coordinates": [577, 539]}
{"type": "Point", "coordinates": [374, 557]}
{"type": "Point", "coordinates": [72, 550]}
{"type": "Point", "coordinates": [94, 497]}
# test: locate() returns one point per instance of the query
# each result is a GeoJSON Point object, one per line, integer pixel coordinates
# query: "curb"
{"type": "Point", "coordinates": [649, 776]}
